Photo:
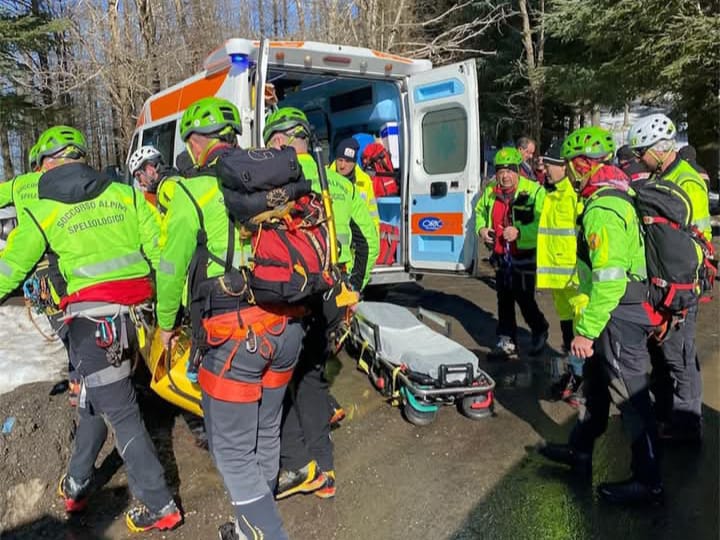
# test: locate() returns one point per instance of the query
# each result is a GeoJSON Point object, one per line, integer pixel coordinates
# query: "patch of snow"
{"type": "Point", "coordinates": [26, 356]}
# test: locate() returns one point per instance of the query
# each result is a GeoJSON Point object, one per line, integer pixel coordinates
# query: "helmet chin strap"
{"type": "Point", "coordinates": [579, 182]}
{"type": "Point", "coordinates": [659, 161]}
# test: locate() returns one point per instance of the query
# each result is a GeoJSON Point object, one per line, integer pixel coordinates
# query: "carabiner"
{"type": "Point", "coordinates": [251, 341]}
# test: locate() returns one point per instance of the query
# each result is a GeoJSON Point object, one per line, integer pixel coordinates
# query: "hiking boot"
{"type": "Point", "coordinates": [305, 480]}
{"type": "Point", "coordinates": [73, 392]}
{"type": "Point", "coordinates": [630, 491]}
{"type": "Point", "coordinates": [338, 415]}
{"type": "Point", "coordinates": [74, 495]}
{"type": "Point", "coordinates": [505, 348]}
{"type": "Point", "coordinates": [230, 531]}
{"type": "Point", "coordinates": [568, 390]}
{"type": "Point", "coordinates": [141, 519]}
{"type": "Point", "coordinates": [579, 462]}
{"type": "Point", "coordinates": [537, 343]}
{"type": "Point", "coordinates": [327, 491]}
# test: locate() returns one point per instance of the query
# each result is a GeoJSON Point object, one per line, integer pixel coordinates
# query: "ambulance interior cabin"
{"type": "Point", "coordinates": [339, 107]}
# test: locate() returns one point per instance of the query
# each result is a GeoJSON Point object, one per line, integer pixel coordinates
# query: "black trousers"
{"type": "Point", "coordinates": [618, 373]}
{"type": "Point", "coordinates": [305, 431]}
{"type": "Point", "coordinates": [676, 378]}
{"type": "Point", "coordinates": [514, 286]}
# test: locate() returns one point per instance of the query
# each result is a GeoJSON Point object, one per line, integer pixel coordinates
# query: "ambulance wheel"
{"type": "Point", "coordinates": [418, 418]}
{"type": "Point", "coordinates": [477, 406]}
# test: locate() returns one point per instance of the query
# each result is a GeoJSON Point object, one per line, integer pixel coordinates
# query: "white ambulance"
{"type": "Point", "coordinates": [427, 117]}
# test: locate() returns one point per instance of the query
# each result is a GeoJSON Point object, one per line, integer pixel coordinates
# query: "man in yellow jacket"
{"type": "Point", "coordinates": [345, 163]}
{"type": "Point", "coordinates": [556, 257]}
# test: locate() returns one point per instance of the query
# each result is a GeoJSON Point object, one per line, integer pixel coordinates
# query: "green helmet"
{"type": "Point", "coordinates": [508, 156]}
{"type": "Point", "coordinates": [211, 115]}
{"type": "Point", "coordinates": [592, 142]}
{"type": "Point", "coordinates": [58, 138]}
{"type": "Point", "coordinates": [284, 119]}
{"type": "Point", "coordinates": [33, 157]}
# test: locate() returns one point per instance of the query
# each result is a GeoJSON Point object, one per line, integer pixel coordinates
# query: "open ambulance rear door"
{"type": "Point", "coordinates": [444, 167]}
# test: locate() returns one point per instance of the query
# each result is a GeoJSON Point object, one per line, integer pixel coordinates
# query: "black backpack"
{"type": "Point", "coordinates": [680, 262]}
{"type": "Point", "coordinates": [259, 179]}
{"type": "Point", "coordinates": [271, 203]}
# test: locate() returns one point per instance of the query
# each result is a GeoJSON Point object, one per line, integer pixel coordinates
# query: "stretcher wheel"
{"type": "Point", "coordinates": [418, 418]}
{"type": "Point", "coordinates": [477, 406]}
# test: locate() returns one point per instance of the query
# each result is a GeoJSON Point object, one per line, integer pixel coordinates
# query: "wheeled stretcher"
{"type": "Point", "coordinates": [416, 367]}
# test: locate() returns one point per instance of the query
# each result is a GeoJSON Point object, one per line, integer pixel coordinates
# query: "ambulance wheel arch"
{"type": "Point", "coordinates": [444, 167]}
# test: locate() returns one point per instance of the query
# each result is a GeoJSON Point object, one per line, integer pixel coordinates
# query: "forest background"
{"type": "Point", "coordinates": [544, 66]}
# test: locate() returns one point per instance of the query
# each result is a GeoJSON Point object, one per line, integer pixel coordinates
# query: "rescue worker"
{"type": "Point", "coordinates": [630, 164]}
{"type": "Point", "coordinates": [306, 455]}
{"type": "Point", "coordinates": [102, 234]}
{"type": "Point", "coordinates": [556, 259]}
{"type": "Point", "coordinates": [612, 330]}
{"type": "Point", "coordinates": [22, 189]}
{"type": "Point", "coordinates": [506, 219]}
{"type": "Point", "coordinates": [147, 166]}
{"type": "Point", "coordinates": [345, 163]}
{"type": "Point", "coordinates": [20, 192]}
{"type": "Point", "coordinates": [676, 366]}
{"type": "Point", "coordinates": [248, 353]}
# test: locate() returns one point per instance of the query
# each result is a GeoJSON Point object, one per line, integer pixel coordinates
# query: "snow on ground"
{"type": "Point", "coordinates": [26, 356]}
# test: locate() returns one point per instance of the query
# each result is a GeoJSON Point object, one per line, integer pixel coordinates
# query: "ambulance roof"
{"type": "Point", "coordinates": [324, 56]}
{"type": "Point", "coordinates": [289, 55]}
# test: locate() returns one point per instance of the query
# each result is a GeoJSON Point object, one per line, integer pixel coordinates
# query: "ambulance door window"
{"type": "Point", "coordinates": [444, 147]}
{"type": "Point", "coordinates": [161, 137]}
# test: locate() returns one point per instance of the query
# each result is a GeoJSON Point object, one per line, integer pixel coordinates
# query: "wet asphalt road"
{"type": "Point", "coordinates": [464, 479]}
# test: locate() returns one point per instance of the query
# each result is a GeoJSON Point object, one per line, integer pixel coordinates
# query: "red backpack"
{"type": "Point", "coordinates": [389, 240]}
{"type": "Point", "coordinates": [291, 255]}
{"type": "Point", "coordinates": [377, 162]}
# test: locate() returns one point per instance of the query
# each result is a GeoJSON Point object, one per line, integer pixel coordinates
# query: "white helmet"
{"type": "Point", "coordinates": [651, 129]}
{"type": "Point", "coordinates": [141, 156]}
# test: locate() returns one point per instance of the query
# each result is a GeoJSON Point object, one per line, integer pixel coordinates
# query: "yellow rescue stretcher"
{"type": "Point", "coordinates": [169, 373]}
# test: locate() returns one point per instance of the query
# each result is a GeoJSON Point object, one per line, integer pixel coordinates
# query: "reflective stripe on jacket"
{"type": "Point", "coordinates": [557, 238]}
{"type": "Point", "coordinates": [610, 254]}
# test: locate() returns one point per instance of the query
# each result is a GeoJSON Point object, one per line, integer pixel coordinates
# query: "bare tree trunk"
{"type": "Point", "coordinates": [534, 73]}
{"type": "Point", "coordinates": [300, 8]}
{"type": "Point", "coordinates": [276, 18]}
{"type": "Point", "coordinates": [8, 168]}
{"type": "Point", "coordinates": [261, 17]}
{"type": "Point", "coordinates": [147, 21]}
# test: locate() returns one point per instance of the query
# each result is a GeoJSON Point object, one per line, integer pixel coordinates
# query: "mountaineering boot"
{"type": "Point", "coordinates": [579, 462]}
{"type": "Point", "coordinates": [230, 531]}
{"type": "Point", "coordinates": [305, 480]}
{"type": "Point", "coordinates": [338, 413]}
{"type": "Point", "coordinates": [140, 518]}
{"type": "Point", "coordinates": [328, 490]}
{"type": "Point", "coordinates": [630, 491]}
{"type": "Point", "coordinates": [73, 392]}
{"type": "Point", "coordinates": [505, 348]}
{"type": "Point", "coordinates": [568, 389]}
{"type": "Point", "coordinates": [537, 343]}
{"type": "Point", "coordinates": [74, 495]}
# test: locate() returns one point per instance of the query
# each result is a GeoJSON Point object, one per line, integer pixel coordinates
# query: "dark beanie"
{"type": "Point", "coordinates": [552, 154]}
{"type": "Point", "coordinates": [348, 149]}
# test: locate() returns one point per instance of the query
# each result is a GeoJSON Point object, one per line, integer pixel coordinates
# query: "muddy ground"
{"type": "Point", "coordinates": [455, 479]}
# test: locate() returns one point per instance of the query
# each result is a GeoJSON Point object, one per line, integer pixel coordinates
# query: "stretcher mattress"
{"type": "Point", "coordinates": [403, 339]}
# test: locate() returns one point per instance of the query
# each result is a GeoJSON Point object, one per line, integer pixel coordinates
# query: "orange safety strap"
{"type": "Point", "coordinates": [276, 379]}
{"type": "Point", "coordinates": [225, 389]}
